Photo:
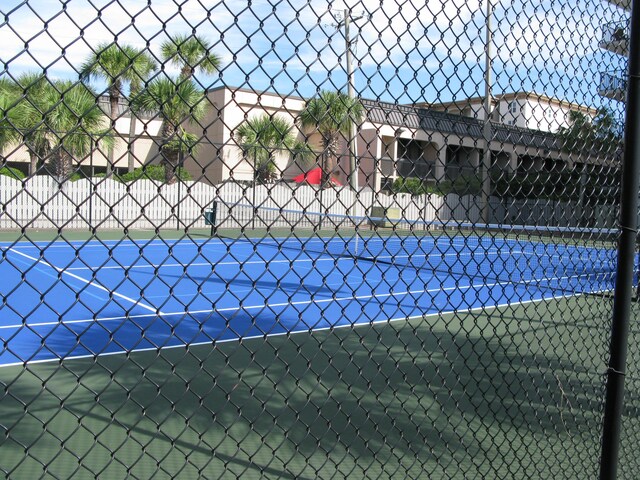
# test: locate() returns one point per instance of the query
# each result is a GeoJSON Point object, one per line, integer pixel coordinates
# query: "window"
{"type": "Point", "coordinates": [386, 184]}
{"type": "Point", "coordinates": [513, 106]}
{"type": "Point", "coordinates": [386, 166]}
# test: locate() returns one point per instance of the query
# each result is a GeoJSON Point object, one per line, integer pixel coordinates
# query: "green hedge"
{"type": "Point", "coordinates": [152, 172]}
{"type": "Point", "coordinates": [595, 187]}
{"type": "Point", "coordinates": [12, 172]}
{"type": "Point", "coordinates": [412, 185]}
{"type": "Point", "coordinates": [462, 185]}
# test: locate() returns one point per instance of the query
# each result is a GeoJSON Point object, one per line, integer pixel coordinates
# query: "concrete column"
{"type": "Point", "coordinates": [474, 158]}
{"type": "Point", "coordinates": [441, 163]}
{"type": "Point", "coordinates": [513, 162]}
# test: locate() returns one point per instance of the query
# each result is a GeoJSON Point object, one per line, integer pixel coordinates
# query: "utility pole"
{"type": "Point", "coordinates": [486, 131]}
{"type": "Point", "coordinates": [353, 163]}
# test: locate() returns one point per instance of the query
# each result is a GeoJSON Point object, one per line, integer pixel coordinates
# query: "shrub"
{"type": "Point", "coordinates": [462, 185]}
{"type": "Point", "coordinates": [12, 172]}
{"type": "Point", "coordinates": [556, 186]}
{"type": "Point", "coordinates": [412, 185]}
{"type": "Point", "coordinates": [152, 172]}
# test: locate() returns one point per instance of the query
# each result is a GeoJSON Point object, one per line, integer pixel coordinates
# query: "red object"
{"type": "Point", "coordinates": [313, 177]}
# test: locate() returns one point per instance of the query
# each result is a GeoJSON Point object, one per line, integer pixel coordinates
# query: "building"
{"type": "Point", "coordinates": [615, 38]}
{"type": "Point", "coordinates": [434, 143]}
{"type": "Point", "coordinates": [520, 109]}
{"type": "Point", "coordinates": [395, 141]}
{"type": "Point", "coordinates": [438, 146]}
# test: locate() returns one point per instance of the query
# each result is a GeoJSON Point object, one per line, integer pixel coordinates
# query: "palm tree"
{"type": "Point", "coordinates": [332, 114]}
{"type": "Point", "coordinates": [190, 53]}
{"type": "Point", "coordinates": [11, 113]}
{"type": "Point", "coordinates": [175, 102]}
{"type": "Point", "coordinates": [135, 85]}
{"type": "Point", "coordinates": [26, 99]}
{"type": "Point", "coordinates": [74, 121]}
{"type": "Point", "coordinates": [118, 64]}
{"type": "Point", "coordinates": [262, 137]}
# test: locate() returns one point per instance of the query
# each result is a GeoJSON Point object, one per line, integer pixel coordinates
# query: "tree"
{"type": "Point", "coordinates": [118, 65]}
{"type": "Point", "coordinates": [331, 113]}
{"type": "Point", "coordinates": [25, 100]}
{"type": "Point", "coordinates": [190, 53]}
{"type": "Point", "coordinates": [600, 135]}
{"type": "Point", "coordinates": [11, 113]}
{"type": "Point", "coordinates": [261, 138]}
{"type": "Point", "coordinates": [176, 102]}
{"type": "Point", "coordinates": [74, 122]}
{"type": "Point", "coordinates": [586, 136]}
{"type": "Point", "coordinates": [55, 120]}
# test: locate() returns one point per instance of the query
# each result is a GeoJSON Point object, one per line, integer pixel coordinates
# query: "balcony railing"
{"type": "Point", "coordinates": [626, 4]}
{"type": "Point", "coordinates": [615, 37]}
{"type": "Point", "coordinates": [616, 31]}
{"type": "Point", "coordinates": [613, 84]}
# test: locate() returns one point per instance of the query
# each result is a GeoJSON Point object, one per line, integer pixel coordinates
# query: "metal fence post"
{"type": "Point", "coordinates": [612, 423]}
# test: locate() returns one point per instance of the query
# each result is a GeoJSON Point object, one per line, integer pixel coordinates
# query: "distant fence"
{"type": "Point", "coordinates": [42, 202]}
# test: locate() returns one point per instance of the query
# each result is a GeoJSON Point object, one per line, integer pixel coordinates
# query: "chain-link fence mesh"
{"type": "Point", "coordinates": [310, 239]}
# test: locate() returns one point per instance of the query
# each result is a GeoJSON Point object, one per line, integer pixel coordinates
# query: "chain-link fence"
{"type": "Point", "coordinates": [311, 239]}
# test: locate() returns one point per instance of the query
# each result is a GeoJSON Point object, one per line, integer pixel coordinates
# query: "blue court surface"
{"type": "Point", "coordinates": [76, 299]}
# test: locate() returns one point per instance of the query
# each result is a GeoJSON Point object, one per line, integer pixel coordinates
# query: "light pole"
{"type": "Point", "coordinates": [486, 131]}
{"type": "Point", "coordinates": [353, 164]}
{"type": "Point", "coordinates": [180, 162]}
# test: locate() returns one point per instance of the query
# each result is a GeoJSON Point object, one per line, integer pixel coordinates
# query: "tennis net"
{"type": "Point", "coordinates": [572, 258]}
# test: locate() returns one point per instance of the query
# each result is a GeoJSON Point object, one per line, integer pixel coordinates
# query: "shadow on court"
{"type": "Point", "coordinates": [490, 394]}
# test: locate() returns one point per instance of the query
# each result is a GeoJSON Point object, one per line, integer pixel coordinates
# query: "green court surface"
{"type": "Point", "coordinates": [513, 392]}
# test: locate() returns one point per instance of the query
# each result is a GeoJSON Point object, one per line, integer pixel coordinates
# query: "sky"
{"type": "Point", "coordinates": [404, 51]}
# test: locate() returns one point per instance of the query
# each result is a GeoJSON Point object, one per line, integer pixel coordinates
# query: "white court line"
{"type": "Point", "coordinates": [88, 282]}
{"type": "Point", "coordinates": [483, 308]}
{"type": "Point", "coordinates": [128, 243]}
{"type": "Point", "coordinates": [296, 260]}
{"type": "Point", "coordinates": [570, 257]}
{"type": "Point", "coordinates": [216, 241]}
{"type": "Point", "coordinates": [250, 307]}
{"type": "Point", "coordinates": [297, 303]}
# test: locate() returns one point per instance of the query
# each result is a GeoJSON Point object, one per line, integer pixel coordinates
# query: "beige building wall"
{"type": "Point", "coordinates": [219, 156]}
{"type": "Point", "coordinates": [520, 109]}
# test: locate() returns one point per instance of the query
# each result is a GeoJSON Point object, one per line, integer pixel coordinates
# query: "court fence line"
{"type": "Point", "coordinates": [318, 240]}
{"type": "Point", "coordinates": [42, 202]}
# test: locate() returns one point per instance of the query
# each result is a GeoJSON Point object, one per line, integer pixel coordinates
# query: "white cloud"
{"type": "Point", "coordinates": [273, 41]}
{"type": "Point", "coordinates": [65, 37]}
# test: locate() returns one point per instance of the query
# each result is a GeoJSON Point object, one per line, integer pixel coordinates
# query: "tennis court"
{"type": "Point", "coordinates": [465, 393]}
{"type": "Point", "coordinates": [319, 240]}
{"type": "Point", "coordinates": [91, 298]}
